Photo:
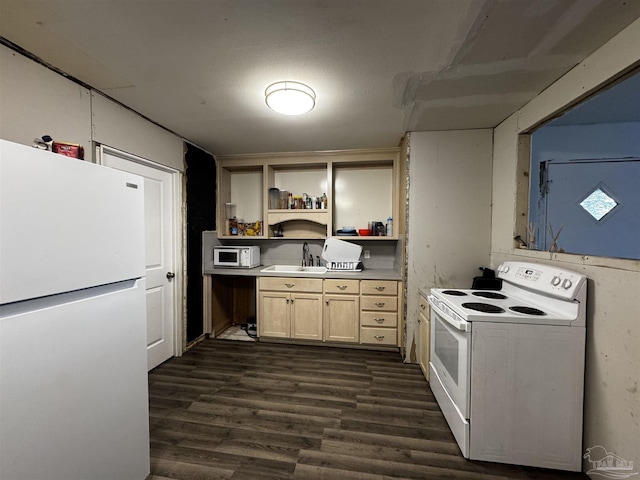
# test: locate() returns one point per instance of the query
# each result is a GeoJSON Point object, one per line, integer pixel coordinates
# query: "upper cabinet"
{"type": "Point", "coordinates": [308, 195]}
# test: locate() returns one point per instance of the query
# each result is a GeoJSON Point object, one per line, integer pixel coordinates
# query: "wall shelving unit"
{"type": "Point", "coordinates": [361, 186]}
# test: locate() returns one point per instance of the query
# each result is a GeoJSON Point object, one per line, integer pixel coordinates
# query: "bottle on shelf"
{"type": "Point", "coordinates": [389, 227]}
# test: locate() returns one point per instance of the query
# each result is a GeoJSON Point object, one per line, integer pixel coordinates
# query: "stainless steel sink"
{"type": "Point", "coordinates": [294, 269]}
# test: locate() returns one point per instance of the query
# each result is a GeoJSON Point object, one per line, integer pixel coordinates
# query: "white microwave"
{"type": "Point", "coordinates": [236, 257]}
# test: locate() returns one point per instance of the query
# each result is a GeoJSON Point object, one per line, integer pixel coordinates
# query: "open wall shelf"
{"type": "Point", "coordinates": [360, 186]}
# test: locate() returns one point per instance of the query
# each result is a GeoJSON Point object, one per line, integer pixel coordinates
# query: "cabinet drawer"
{"type": "Point", "coordinates": [387, 304]}
{"type": "Point", "coordinates": [378, 319]}
{"type": "Point", "coordinates": [341, 286]}
{"type": "Point", "coordinates": [286, 284]}
{"type": "Point", "coordinates": [378, 336]}
{"type": "Point", "coordinates": [379, 287]}
{"type": "Point", "coordinates": [424, 306]}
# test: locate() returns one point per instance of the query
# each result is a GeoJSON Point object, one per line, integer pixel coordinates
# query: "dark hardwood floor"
{"type": "Point", "coordinates": [255, 410]}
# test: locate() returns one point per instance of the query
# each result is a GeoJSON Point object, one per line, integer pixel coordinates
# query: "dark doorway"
{"type": "Point", "coordinates": [201, 215]}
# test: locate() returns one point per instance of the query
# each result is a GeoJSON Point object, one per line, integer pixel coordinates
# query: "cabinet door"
{"type": "Point", "coordinates": [306, 316]}
{"type": "Point", "coordinates": [424, 336]}
{"type": "Point", "coordinates": [342, 318]}
{"type": "Point", "coordinates": [274, 319]}
{"type": "Point", "coordinates": [424, 345]}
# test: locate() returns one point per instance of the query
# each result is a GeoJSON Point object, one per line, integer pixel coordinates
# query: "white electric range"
{"type": "Point", "coordinates": [507, 366]}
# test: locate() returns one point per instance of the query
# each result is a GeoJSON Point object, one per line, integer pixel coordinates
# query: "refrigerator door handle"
{"type": "Point", "coordinates": [24, 306]}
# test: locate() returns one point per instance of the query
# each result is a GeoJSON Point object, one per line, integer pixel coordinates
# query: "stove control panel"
{"type": "Point", "coordinates": [547, 279]}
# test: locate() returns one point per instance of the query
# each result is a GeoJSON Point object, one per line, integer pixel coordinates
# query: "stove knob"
{"type": "Point", "coordinates": [555, 281]}
{"type": "Point", "coordinates": [567, 284]}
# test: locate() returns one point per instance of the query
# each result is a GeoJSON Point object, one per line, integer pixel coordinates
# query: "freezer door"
{"type": "Point", "coordinates": [73, 386]}
{"type": "Point", "coordinates": [66, 224]}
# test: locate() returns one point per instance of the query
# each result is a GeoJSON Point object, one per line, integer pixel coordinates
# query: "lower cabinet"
{"type": "Point", "coordinates": [275, 314]}
{"type": "Point", "coordinates": [424, 333]}
{"type": "Point", "coordinates": [290, 308]}
{"type": "Point", "coordinates": [379, 315]}
{"type": "Point", "coordinates": [341, 310]}
{"type": "Point", "coordinates": [329, 310]}
{"type": "Point", "coordinates": [306, 316]}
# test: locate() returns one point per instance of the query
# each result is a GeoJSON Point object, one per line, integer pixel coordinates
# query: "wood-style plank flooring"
{"type": "Point", "coordinates": [255, 410]}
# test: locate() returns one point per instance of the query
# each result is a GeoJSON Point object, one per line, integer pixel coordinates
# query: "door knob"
{"type": "Point", "coordinates": [170, 275]}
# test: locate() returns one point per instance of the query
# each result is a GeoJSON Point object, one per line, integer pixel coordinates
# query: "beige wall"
{"type": "Point", "coordinates": [120, 128]}
{"type": "Point", "coordinates": [36, 101]}
{"type": "Point", "coordinates": [449, 222]}
{"type": "Point", "coordinates": [612, 396]}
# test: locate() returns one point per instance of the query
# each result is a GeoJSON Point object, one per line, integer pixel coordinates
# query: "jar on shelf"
{"type": "Point", "coordinates": [274, 198]}
{"type": "Point", "coordinates": [284, 200]}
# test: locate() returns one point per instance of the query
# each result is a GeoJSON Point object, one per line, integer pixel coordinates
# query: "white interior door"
{"type": "Point", "coordinates": [160, 250]}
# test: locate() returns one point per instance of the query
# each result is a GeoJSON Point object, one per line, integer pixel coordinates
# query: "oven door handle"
{"type": "Point", "coordinates": [458, 324]}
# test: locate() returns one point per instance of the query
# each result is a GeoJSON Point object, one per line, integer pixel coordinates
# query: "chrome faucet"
{"type": "Point", "coordinates": [305, 253]}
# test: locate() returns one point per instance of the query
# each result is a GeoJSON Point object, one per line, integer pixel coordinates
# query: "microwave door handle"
{"type": "Point", "coordinates": [461, 325]}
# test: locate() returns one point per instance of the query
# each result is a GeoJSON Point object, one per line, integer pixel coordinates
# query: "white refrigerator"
{"type": "Point", "coordinates": [73, 367]}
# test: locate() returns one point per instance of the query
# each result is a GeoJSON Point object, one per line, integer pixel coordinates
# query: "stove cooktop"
{"type": "Point", "coordinates": [510, 305]}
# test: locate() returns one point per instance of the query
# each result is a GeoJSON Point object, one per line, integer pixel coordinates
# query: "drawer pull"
{"type": "Point", "coordinates": [379, 288]}
{"type": "Point", "coordinates": [379, 304]}
{"type": "Point", "coordinates": [379, 320]}
{"type": "Point", "coordinates": [379, 337]}
{"type": "Point", "coordinates": [423, 306]}
{"type": "Point", "coordinates": [287, 300]}
{"type": "Point", "coordinates": [342, 287]}
{"type": "Point", "coordinates": [289, 285]}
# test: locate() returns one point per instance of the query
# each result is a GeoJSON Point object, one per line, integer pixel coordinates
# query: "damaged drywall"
{"type": "Point", "coordinates": [505, 54]}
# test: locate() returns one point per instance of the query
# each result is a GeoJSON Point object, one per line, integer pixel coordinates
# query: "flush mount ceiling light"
{"type": "Point", "coordinates": [290, 98]}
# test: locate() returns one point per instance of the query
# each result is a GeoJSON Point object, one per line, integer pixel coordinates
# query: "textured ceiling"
{"type": "Point", "coordinates": [379, 67]}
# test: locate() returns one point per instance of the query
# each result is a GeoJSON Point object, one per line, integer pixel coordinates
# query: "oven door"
{"type": "Point", "coordinates": [451, 357]}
